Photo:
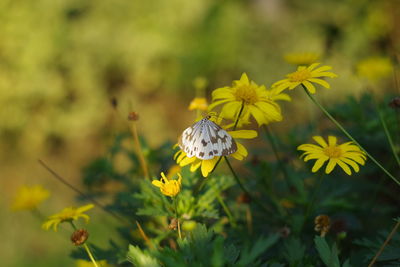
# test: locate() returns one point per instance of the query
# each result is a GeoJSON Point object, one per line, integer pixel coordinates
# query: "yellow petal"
{"type": "Point", "coordinates": [330, 166]}
{"type": "Point", "coordinates": [208, 165]}
{"type": "Point", "coordinates": [320, 141]}
{"type": "Point", "coordinates": [332, 140]}
{"type": "Point", "coordinates": [243, 134]}
{"type": "Point", "coordinates": [344, 167]}
{"type": "Point", "coordinates": [318, 164]}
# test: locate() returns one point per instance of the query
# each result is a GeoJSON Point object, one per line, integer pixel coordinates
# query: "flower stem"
{"type": "Point", "coordinates": [349, 135]}
{"type": "Point", "coordinates": [86, 247]}
{"type": "Point", "coordinates": [177, 218]}
{"type": "Point", "coordinates": [238, 117]}
{"type": "Point", "coordinates": [90, 255]}
{"type": "Point", "coordinates": [243, 188]}
{"type": "Point", "coordinates": [388, 136]}
{"type": "Point", "coordinates": [274, 147]}
{"type": "Point", "coordinates": [139, 150]}
{"type": "Point", "coordinates": [227, 211]}
{"type": "Point", "coordinates": [314, 196]}
{"type": "Point", "coordinates": [390, 236]}
{"type": "Point", "coordinates": [79, 192]}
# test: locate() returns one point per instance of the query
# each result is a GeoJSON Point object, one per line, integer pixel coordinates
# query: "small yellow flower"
{"type": "Point", "coordinates": [322, 224]}
{"type": "Point", "coordinates": [301, 58]}
{"type": "Point", "coordinates": [306, 76]}
{"type": "Point", "coordinates": [375, 68]}
{"type": "Point", "coordinates": [167, 187]}
{"type": "Point", "coordinates": [198, 103]}
{"type": "Point", "coordinates": [342, 155]}
{"type": "Point", "coordinates": [208, 165]}
{"type": "Point", "coordinates": [256, 99]}
{"type": "Point", "coordinates": [67, 215]}
{"type": "Point", "coordinates": [28, 198]}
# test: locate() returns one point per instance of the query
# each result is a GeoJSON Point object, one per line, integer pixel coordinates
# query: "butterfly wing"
{"type": "Point", "coordinates": [206, 140]}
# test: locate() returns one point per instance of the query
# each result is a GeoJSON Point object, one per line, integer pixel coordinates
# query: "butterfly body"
{"type": "Point", "coordinates": [206, 140]}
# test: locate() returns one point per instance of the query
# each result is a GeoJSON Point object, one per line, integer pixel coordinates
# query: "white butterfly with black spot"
{"type": "Point", "coordinates": [206, 140]}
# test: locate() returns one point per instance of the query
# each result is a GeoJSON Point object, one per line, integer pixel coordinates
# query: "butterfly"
{"type": "Point", "coordinates": [206, 140]}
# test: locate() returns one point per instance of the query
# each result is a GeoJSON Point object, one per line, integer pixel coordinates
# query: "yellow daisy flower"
{"type": "Point", "coordinates": [301, 58]}
{"type": "Point", "coordinates": [167, 187]}
{"type": "Point", "coordinates": [198, 103]}
{"type": "Point", "coordinates": [28, 198]}
{"type": "Point", "coordinates": [208, 165]}
{"type": "Point", "coordinates": [256, 99]}
{"type": "Point", "coordinates": [67, 215]}
{"type": "Point", "coordinates": [375, 68]}
{"type": "Point", "coordinates": [342, 155]}
{"type": "Point", "coordinates": [306, 76]}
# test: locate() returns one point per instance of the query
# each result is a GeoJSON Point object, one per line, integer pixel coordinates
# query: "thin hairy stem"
{"type": "Point", "coordinates": [244, 188]}
{"type": "Point", "coordinates": [79, 192]}
{"type": "Point", "coordinates": [389, 237]}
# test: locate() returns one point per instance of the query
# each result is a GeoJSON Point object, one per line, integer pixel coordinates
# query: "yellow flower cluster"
{"type": "Point", "coordinates": [245, 100]}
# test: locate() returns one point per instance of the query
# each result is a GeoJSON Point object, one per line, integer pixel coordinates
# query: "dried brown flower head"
{"type": "Point", "coordinates": [133, 116]}
{"type": "Point", "coordinates": [395, 103]}
{"type": "Point", "coordinates": [173, 224]}
{"type": "Point", "coordinates": [79, 237]}
{"type": "Point", "coordinates": [322, 224]}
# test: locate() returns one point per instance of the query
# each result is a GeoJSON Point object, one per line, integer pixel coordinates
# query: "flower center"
{"type": "Point", "coordinates": [299, 76]}
{"type": "Point", "coordinates": [333, 151]}
{"type": "Point", "coordinates": [246, 93]}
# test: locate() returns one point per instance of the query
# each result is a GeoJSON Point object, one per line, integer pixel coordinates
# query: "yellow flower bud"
{"type": "Point", "coordinates": [168, 187]}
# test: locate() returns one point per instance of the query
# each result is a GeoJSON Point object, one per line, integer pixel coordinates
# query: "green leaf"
{"type": "Point", "coordinates": [327, 255]}
{"type": "Point", "coordinates": [141, 258]}
{"type": "Point", "coordinates": [294, 251]}
{"type": "Point", "coordinates": [249, 255]}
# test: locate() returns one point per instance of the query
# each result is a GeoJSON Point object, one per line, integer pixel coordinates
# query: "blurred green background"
{"type": "Point", "coordinates": [63, 64]}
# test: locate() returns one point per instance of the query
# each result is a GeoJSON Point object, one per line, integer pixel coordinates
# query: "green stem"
{"type": "Point", "coordinates": [227, 211]}
{"type": "Point", "coordinates": [274, 147]}
{"type": "Point", "coordinates": [177, 218]}
{"type": "Point", "coordinates": [388, 136]}
{"type": "Point", "coordinates": [243, 188]}
{"type": "Point", "coordinates": [90, 255]}
{"type": "Point", "coordinates": [390, 236]}
{"type": "Point", "coordinates": [314, 196]}
{"type": "Point", "coordinates": [349, 135]}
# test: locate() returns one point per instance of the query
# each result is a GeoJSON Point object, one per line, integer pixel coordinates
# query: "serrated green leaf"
{"type": "Point", "coordinates": [141, 258]}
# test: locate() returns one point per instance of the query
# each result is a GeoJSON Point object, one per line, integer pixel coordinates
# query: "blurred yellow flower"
{"type": "Point", "coordinates": [286, 203]}
{"type": "Point", "coordinates": [198, 103]}
{"type": "Point", "coordinates": [200, 83]}
{"type": "Point", "coordinates": [168, 187]}
{"type": "Point", "coordinates": [301, 58]}
{"type": "Point", "coordinates": [256, 100]}
{"type": "Point", "coordinates": [67, 215]}
{"type": "Point", "coordinates": [375, 68]}
{"type": "Point", "coordinates": [173, 170]}
{"type": "Point", "coordinates": [342, 155]}
{"type": "Point", "coordinates": [306, 76]}
{"type": "Point", "coordinates": [208, 165]}
{"type": "Point", "coordinates": [28, 198]}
